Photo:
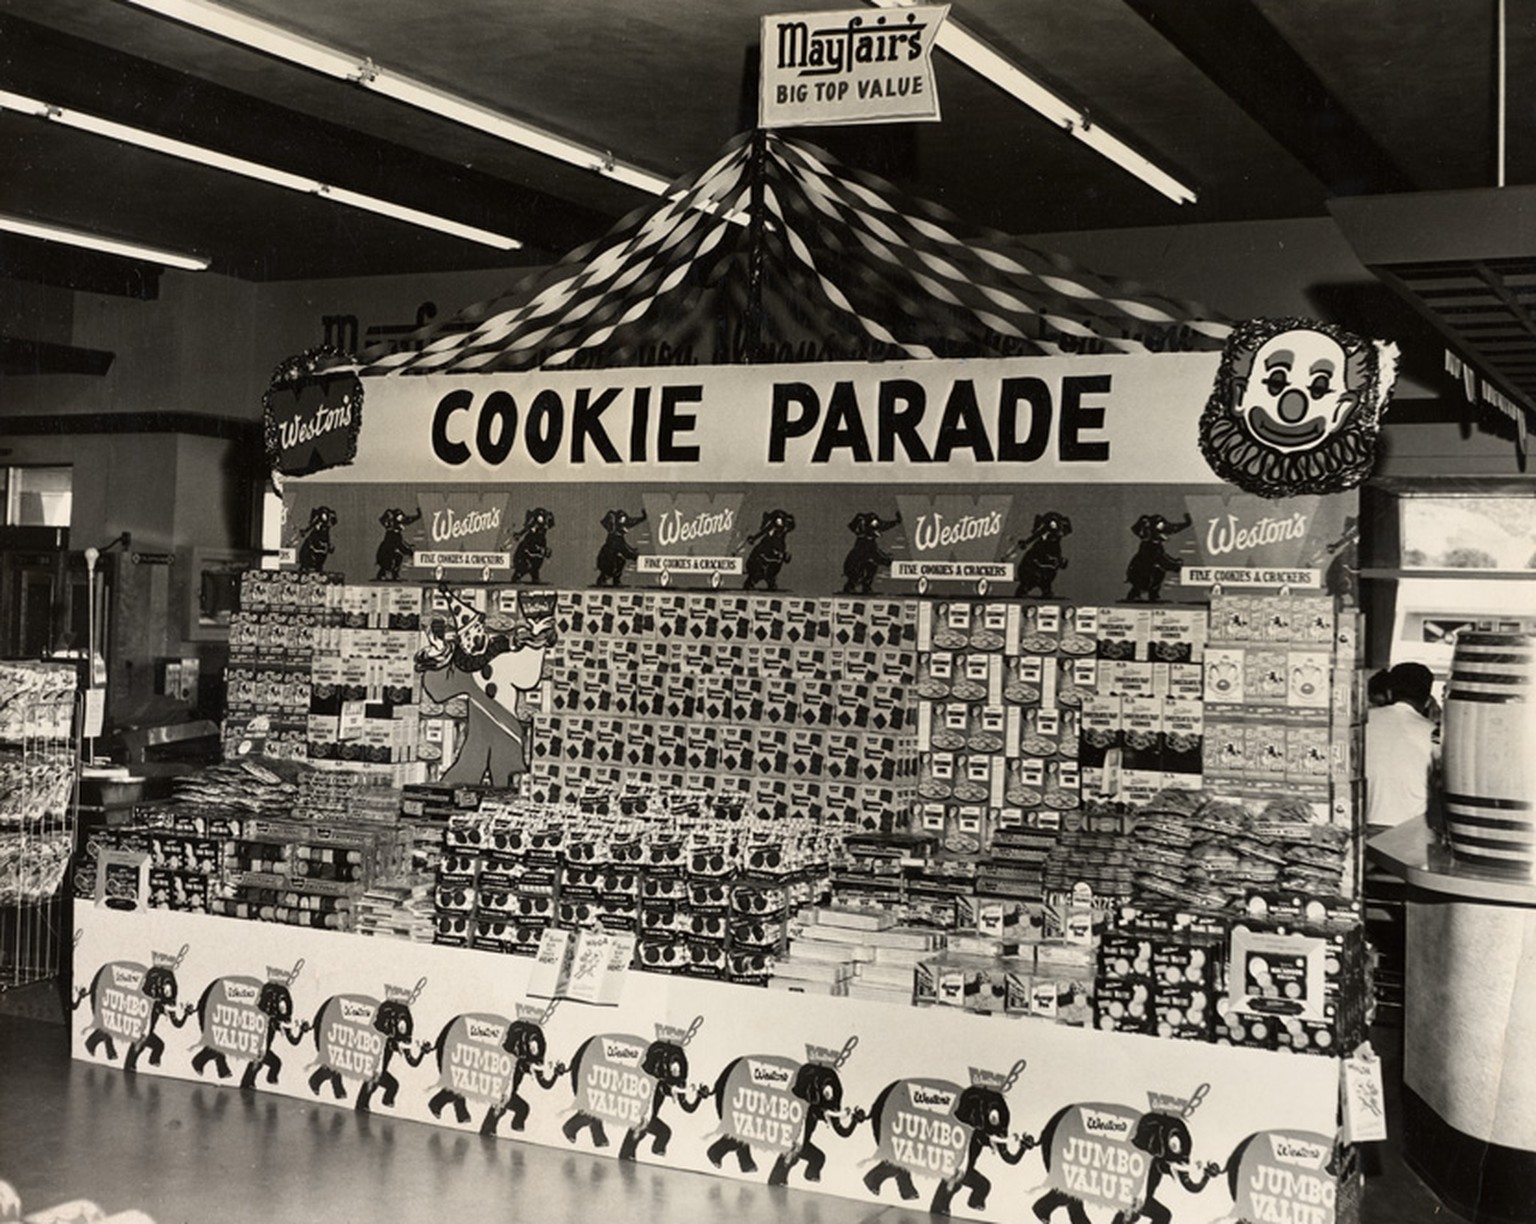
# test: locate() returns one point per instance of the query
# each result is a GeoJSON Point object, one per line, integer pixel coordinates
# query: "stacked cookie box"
{"type": "Point", "coordinates": [324, 671]}
{"type": "Point", "coordinates": [1281, 714]}
{"type": "Point", "coordinates": [790, 705]}
{"type": "Point", "coordinates": [268, 683]}
{"type": "Point", "coordinates": [1001, 688]}
{"type": "Point", "coordinates": [1143, 722]}
{"type": "Point", "coordinates": [1282, 982]}
{"type": "Point", "coordinates": [705, 889]}
{"type": "Point", "coordinates": [300, 873]}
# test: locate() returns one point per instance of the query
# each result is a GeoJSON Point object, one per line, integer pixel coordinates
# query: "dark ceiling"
{"type": "Point", "coordinates": [1268, 108]}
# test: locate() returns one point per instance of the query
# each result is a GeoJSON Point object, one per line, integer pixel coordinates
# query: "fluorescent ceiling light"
{"type": "Point", "coordinates": [1009, 77]}
{"type": "Point", "coordinates": [307, 53]}
{"type": "Point", "coordinates": [249, 169]}
{"type": "Point", "coordinates": [97, 242]}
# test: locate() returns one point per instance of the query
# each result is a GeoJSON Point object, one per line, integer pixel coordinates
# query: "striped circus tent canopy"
{"type": "Point", "coordinates": [839, 265]}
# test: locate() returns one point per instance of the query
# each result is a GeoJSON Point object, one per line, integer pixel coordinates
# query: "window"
{"type": "Point", "coordinates": [1469, 533]}
{"type": "Point", "coordinates": [38, 496]}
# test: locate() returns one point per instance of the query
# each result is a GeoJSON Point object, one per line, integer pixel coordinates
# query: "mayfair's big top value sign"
{"type": "Point", "coordinates": [849, 66]}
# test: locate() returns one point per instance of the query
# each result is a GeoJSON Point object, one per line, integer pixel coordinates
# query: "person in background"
{"type": "Point", "coordinates": [1401, 749]}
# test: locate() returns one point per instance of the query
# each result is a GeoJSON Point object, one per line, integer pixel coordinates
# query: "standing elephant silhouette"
{"type": "Point", "coordinates": [1040, 555]}
{"type": "Point", "coordinates": [315, 548]}
{"type": "Point", "coordinates": [866, 558]}
{"type": "Point", "coordinates": [617, 552]}
{"type": "Point", "coordinates": [532, 545]}
{"type": "Point", "coordinates": [393, 550]}
{"type": "Point", "coordinates": [1152, 562]}
{"type": "Point", "coordinates": [770, 550]}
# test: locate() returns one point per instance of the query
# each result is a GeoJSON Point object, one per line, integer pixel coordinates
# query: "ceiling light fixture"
{"type": "Point", "coordinates": [1013, 80]}
{"type": "Point", "coordinates": [99, 242]}
{"type": "Point", "coordinates": [307, 53]}
{"type": "Point", "coordinates": [154, 142]}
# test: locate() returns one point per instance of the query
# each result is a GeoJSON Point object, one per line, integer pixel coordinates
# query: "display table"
{"type": "Point", "coordinates": [1470, 1027]}
{"type": "Point", "coordinates": [873, 1101]}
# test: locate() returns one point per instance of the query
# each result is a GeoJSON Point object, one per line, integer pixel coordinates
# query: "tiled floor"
{"type": "Point", "coordinates": [194, 1154]}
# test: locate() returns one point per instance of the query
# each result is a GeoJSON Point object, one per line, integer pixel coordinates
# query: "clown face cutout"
{"type": "Point", "coordinates": [1296, 407]}
{"type": "Point", "coordinates": [1295, 397]}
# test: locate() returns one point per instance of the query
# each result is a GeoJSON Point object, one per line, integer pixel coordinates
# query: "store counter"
{"type": "Point", "coordinates": [1469, 1058]}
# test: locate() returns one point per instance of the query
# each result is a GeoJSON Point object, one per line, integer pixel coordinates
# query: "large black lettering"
{"type": "Point", "coordinates": [1077, 416]}
{"type": "Point", "coordinates": [844, 427]}
{"type": "Point", "coordinates": [1033, 391]}
{"type": "Point", "coordinates": [782, 426]}
{"type": "Point", "coordinates": [445, 448]}
{"type": "Point", "coordinates": [961, 427]}
{"type": "Point", "coordinates": [494, 446]}
{"type": "Point", "coordinates": [639, 423]}
{"type": "Point", "coordinates": [586, 422]}
{"type": "Point", "coordinates": [902, 402]}
{"type": "Point", "coordinates": [672, 422]}
{"type": "Point", "coordinates": [546, 426]}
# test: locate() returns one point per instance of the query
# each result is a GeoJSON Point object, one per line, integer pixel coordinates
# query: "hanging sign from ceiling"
{"type": "Point", "coordinates": [850, 66]}
{"type": "Point", "coordinates": [310, 415]}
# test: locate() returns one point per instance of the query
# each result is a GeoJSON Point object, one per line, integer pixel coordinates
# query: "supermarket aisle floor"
{"type": "Point", "coordinates": [195, 1154]}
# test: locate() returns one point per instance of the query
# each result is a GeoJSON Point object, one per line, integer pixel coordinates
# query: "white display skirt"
{"type": "Point", "coordinates": [986, 1117]}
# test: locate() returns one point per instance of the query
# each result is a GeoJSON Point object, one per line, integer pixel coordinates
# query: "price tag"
{"type": "Point", "coordinates": [1365, 1115]}
{"type": "Point", "coordinates": [551, 971]}
{"type": "Point", "coordinates": [95, 712]}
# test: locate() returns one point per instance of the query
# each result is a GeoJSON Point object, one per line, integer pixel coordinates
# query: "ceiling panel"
{"type": "Point", "coordinates": [1264, 106]}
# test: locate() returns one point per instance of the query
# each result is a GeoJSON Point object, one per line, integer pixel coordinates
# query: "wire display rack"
{"type": "Point", "coordinates": [39, 773]}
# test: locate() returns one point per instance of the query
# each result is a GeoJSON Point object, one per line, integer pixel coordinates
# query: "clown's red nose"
{"type": "Point", "coordinates": [1293, 406]}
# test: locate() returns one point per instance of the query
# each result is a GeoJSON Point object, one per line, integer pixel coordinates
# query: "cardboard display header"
{"type": "Point", "coordinates": [1078, 420]}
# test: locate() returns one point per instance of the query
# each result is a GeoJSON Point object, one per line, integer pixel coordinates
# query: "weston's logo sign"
{"type": "Point", "coordinates": [954, 539]}
{"type": "Point", "coordinates": [464, 522]}
{"type": "Point", "coordinates": [1303, 1152]}
{"type": "Point", "coordinates": [1232, 535]}
{"type": "Point", "coordinates": [1247, 530]}
{"type": "Point", "coordinates": [955, 528]}
{"type": "Point", "coordinates": [695, 534]}
{"type": "Point", "coordinates": [932, 1098]}
{"type": "Point", "coordinates": [310, 418]}
{"type": "Point", "coordinates": [693, 524]}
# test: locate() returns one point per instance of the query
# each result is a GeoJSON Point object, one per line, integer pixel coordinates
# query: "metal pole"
{"type": "Point", "coordinates": [757, 168]}
{"type": "Point", "coordinates": [1501, 101]}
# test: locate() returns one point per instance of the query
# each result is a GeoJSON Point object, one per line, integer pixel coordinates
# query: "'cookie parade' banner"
{"type": "Point", "coordinates": [1079, 479]}
{"type": "Point", "coordinates": [974, 1116]}
{"type": "Point", "coordinates": [1123, 418]}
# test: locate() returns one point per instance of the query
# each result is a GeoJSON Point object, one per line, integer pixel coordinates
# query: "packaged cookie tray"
{"type": "Point", "coordinates": [32, 868]}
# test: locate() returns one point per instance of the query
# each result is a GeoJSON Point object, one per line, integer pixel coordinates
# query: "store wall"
{"type": "Point", "coordinates": [208, 344]}
{"type": "Point", "coordinates": [175, 494]}
{"type": "Point", "coordinates": [1448, 451]}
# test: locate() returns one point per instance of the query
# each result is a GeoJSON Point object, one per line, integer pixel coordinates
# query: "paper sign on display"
{"type": "Point", "coordinates": [849, 66]}
{"type": "Point", "coordinates": [1365, 1118]}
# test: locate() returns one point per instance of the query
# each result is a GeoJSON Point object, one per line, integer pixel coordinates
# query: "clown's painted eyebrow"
{"type": "Point", "coordinates": [1280, 357]}
{"type": "Point", "coordinates": [1323, 365]}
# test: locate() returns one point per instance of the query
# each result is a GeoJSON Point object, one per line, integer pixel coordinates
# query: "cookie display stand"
{"type": "Point", "coordinates": [530, 487]}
